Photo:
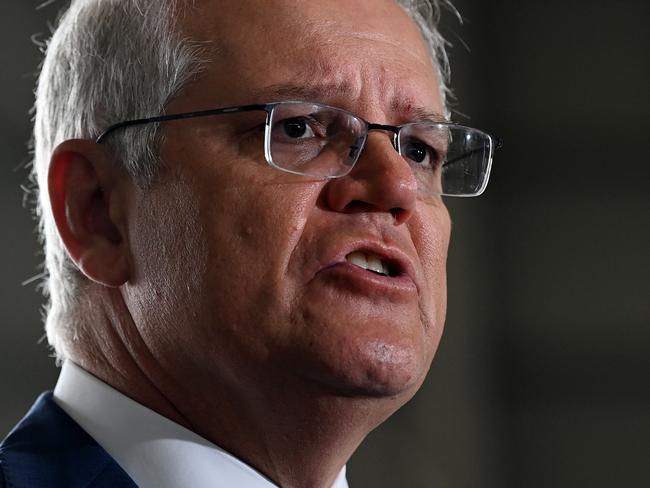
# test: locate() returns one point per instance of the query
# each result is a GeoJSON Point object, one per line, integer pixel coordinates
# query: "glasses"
{"type": "Point", "coordinates": [316, 140]}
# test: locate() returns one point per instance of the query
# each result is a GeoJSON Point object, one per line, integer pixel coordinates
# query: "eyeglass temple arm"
{"type": "Point", "coordinates": [187, 115]}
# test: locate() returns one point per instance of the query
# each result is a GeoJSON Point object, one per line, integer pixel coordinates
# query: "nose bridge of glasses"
{"type": "Point", "coordinates": [386, 128]}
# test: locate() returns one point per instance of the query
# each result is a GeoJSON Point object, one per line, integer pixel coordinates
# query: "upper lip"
{"type": "Point", "coordinates": [398, 261]}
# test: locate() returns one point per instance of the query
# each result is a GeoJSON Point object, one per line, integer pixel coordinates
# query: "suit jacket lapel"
{"type": "Point", "coordinates": [48, 449]}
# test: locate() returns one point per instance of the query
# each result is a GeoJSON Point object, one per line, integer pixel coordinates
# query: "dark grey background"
{"type": "Point", "coordinates": [542, 379]}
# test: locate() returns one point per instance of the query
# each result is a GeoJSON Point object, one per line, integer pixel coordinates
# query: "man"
{"type": "Point", "coordinates": [246, 277]}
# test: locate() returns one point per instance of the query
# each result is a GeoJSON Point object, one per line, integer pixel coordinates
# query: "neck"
{"type": "Point", "coordinates": [296, 433]}
{"type": "Point", "coordinates": [297, 437]}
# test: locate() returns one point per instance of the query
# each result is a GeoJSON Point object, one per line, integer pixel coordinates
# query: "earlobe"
{"type": "Point", "coordinates": [81, 189]}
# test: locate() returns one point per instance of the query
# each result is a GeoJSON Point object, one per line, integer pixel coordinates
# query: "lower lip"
{"type": "Point", "coordinates": [360, 280]}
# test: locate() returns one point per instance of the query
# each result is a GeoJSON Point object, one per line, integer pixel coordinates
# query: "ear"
{"type": "Point", "coordinates": [87, 205]}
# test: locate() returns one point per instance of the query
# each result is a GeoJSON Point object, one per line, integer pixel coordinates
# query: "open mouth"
{"type": "Point", "coordinates": [371, 262]}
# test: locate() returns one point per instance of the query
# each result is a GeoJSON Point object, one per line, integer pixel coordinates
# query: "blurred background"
{"type": "Point", "coordinates": [543, 376]}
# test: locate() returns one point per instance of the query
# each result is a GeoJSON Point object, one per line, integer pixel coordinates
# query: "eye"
{"type": "Point", "coordinates": [296, 128]}
{"type": "Point", "coordinates": [420, 153]}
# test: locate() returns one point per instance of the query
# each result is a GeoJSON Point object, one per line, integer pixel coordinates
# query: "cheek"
{"type": "Point", "coordinates": [431, 232]}
{"type": "Point", "coordinates": [252, 227]}
{"type": "Point", "coordinates": [255, 228]}
{"type": "Point", "coordinates": [169, 256]}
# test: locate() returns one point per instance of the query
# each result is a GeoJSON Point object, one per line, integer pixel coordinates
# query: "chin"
{"type": "Point", "coordinates": [388, 371]}
{"type": "Point", "coordinates": [369, 351]}
{"type": "Point", "coordinates": [376, 370]}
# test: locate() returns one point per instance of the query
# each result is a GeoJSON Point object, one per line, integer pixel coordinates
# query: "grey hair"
{"type": "Point", "coordinates": [108, 60]}
{"type": "Point", "coordinates": [114, 60]}
{"type": "Point", "coordinates": [426, 15]}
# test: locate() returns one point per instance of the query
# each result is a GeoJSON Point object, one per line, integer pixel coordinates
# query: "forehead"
{"type": "Point", "coordinates": [381, 20]}
{"type": "Point", "coordinates": [336, 51]}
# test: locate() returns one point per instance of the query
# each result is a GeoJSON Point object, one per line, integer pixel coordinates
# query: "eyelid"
{"type": "Point", "coordinates": [437, 157]}
{"type": "Point", "coordinates": [313, 123]}
{"type": "Point", "coordinates": [317, 129]}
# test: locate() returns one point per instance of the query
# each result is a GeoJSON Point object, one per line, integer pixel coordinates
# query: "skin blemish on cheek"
{"type": "Point", "coordinates": [245, 232]}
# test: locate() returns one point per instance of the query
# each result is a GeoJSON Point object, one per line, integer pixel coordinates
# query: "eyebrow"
{"type": "Point", "coordinates": [420, 114]}
{"type": "Point", "coordinates": [318, 92]}
{"type": "Point", "coordinates": [417, 113]}
{"type": "Point", "coordinates": [308, 92]}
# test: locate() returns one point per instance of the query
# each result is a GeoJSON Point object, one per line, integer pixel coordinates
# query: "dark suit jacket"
{"type": "Point", "coordinates": [48, 449]}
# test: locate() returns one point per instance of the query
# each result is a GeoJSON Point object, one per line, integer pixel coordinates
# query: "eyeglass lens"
{"type": "Point", "coordinates": [314, 140]}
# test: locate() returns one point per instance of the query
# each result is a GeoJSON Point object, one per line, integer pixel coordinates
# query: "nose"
{"type": "Point", "coordinates": [381, 181]}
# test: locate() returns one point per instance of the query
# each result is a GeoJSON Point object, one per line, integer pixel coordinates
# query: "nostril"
{"type": "Point", "coordinates": [358, 206]}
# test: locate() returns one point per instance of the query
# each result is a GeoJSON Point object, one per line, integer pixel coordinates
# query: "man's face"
{"type": "Point", "coordinates": [241, 275]}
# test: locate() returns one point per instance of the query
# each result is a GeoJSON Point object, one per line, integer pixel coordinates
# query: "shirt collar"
{"type": "Point", "coordinates": [153, 450]}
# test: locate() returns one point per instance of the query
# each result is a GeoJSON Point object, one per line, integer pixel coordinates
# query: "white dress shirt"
{"type": "Point", "coordinates": [153, 450]}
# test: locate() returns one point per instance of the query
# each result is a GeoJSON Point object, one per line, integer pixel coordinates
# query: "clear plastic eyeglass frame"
{"type": "Point", "coordinates": [317, 140]}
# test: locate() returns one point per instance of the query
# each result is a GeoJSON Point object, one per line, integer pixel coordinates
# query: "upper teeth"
{"type": "Point", "coordinates": [368, 261]}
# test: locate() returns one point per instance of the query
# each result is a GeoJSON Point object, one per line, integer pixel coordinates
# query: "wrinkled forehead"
{"type": "Point", "coordinates": [348, 46]}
